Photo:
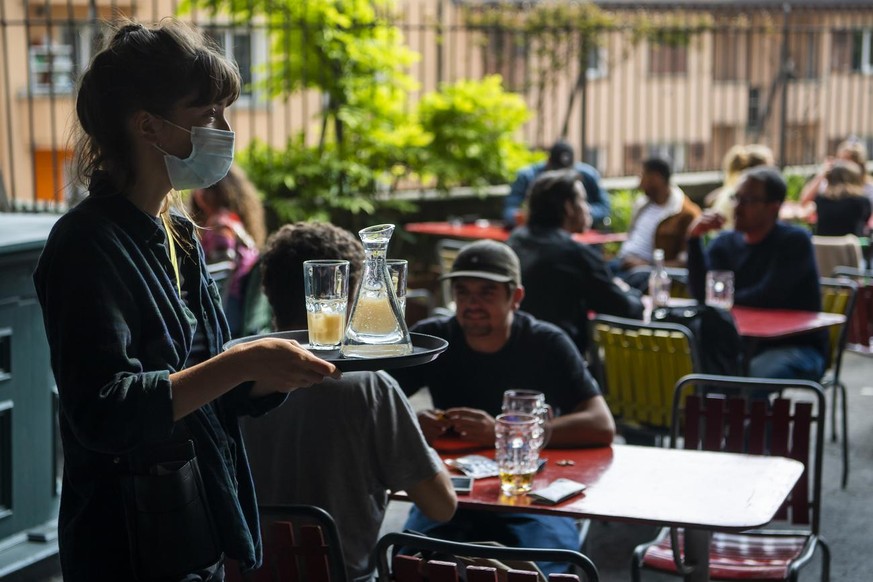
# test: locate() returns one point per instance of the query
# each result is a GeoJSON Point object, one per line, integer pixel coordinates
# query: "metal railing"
{"type": "Point", "coordinates": [686, 84]}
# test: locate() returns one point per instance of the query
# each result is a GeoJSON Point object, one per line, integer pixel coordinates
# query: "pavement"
{"type": "Point", "coordinates": [847, 514]}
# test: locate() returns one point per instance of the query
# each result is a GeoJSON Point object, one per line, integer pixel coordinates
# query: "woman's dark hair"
{"type": "Point", "coordinates": [282, 265]}
{"type": "Point", "coordinates": [548, 197]}
{"type": "Point", "coordinates": [150, 69]}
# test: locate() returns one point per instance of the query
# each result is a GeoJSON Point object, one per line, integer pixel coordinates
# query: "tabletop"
{"type": "Point", "coordinates": [495, 231]}
{"type": "Point", "coordinates": [759, 323]}
{"type": "Point", "coordinates": [651, 485]}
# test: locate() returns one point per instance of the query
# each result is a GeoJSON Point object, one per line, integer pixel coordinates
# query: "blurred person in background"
{"type": "Point", "coordinates": [842, 208]}
{"type": "Point", "coordinates": [851, 150]}
{"type": "Point", "coordinates": [738, 159]}
{"type": "Point", "coordinates": [231, 215]}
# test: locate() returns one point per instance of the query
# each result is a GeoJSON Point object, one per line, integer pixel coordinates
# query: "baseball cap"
{"type": "Point", "coordinates": [487, 259]}
{"type": "Point", "coordinates": [561, 156]}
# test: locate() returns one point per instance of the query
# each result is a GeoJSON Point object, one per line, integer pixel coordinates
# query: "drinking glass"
{"type": "Point", "coordinates": [720, 289]}
{"type": "Point", "coordinates": [518, 439]}
{"type": "Point", "coordinates": [326, 286]}
{"type": "Point", "coordinates": [399, 271]}
{"type": "Point", "coordinates": [529, 402]}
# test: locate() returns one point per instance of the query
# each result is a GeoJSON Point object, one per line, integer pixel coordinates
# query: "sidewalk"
{"type": "Point", "coordinates": [847, 515]}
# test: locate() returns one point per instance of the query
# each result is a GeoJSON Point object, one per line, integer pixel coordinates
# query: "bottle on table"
{"type": "Point", "coordinates": [659, 281]}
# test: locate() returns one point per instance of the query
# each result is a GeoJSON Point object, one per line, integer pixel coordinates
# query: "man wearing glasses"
{"type": "Point", "coordinates": [774, 267]}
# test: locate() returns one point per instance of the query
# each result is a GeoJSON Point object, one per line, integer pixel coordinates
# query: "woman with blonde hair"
{"type": "Point", "coordinates": [851, 150]}
{"type": "Point", "coordinates": [842, 208]}
{"type": "Point", "coordinates": [737, 160]}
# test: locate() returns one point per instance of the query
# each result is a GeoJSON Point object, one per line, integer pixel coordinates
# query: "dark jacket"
{"type": "Point", "coordinates": [564, 280]}
{"type": "Point", "coordinates": [117, 329]}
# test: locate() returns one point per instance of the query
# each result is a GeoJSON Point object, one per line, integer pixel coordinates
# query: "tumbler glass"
{"type": "Point", "coordinates": [529, 402]}
{"type": "Point", "coordinates": [326, 286]}
{"type": "Point", "coordinates": [720, 289]}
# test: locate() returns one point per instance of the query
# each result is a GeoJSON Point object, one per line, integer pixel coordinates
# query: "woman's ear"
{"type": "Point", "coordinates": [147, 127]}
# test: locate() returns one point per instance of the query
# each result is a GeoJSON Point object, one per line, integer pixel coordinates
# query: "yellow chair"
{"type": "Point", "coordinates": [638, 365]}
{"type": "Point", "coordinates": [838, 296]}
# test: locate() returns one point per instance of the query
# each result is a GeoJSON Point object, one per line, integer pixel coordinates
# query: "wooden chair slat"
{"type": "Point", "coordinates": [736, 421]}
{"type": "Point", "coordinates": [780, 427]}
{"type": "Point", "coordinates": [712, 441]}
{"type": "Point", "coordinates": [314, 560]}
{"type": "Point", "coordinates": [285, 564]}
{"type": "Point", "coordinates": [439, 571]}
{"type": "Point", "coordinates": [521, 576]}
{"type": "Point", "coordinates": [757, 427]}
{"type": "Point", "coordinates": [481, 574]}
{"type": "Point", "coordinates": [692, 421]}
{"type": "Point", "coordinates": [800, 451]}
{"type": "Point", "coordinates": [407, 568]}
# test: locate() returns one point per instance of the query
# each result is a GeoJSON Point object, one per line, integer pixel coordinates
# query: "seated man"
{"type": "Point", "coordinates": [659, 220]}
{"type": "Point", "coordinates": [494, 347]}
{"type": "Point", "coordinates": [560, 158]}
{"type": "Point", "coordinates": [564, 279]}
{"type": "Point", "coordinates": [774, 267]}
{"type": "Point", "coordinates": [341, 444]}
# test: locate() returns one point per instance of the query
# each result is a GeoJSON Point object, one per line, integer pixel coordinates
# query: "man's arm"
{"type": "Point", "coordinates": [603, 294]}
{"type": "Point", "coordinates": [517, 193]}
{"type": "Point", "coordinates": [697, 257]}
{"type": "Point", "coordinates": [435, 497]}
{"type": "Point", "coordinates": [590, 424]}
{"type": "Point", "coordinates": [598, 197]}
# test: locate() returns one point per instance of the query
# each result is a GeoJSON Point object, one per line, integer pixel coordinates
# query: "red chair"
{"type": "Point", "coordinates": [728, 414]}
{"type": "Point", "coordinates": [301, 543]}
{"type": "Point", "coordinates": [444, 561]}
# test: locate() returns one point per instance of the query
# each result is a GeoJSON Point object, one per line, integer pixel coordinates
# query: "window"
{"type": "Point", "coordinates": [668, 58]}
{"type": "Point", "coordinates": [56, 63]}
{"type": "Point", "coordinates": [729, 62]}
{"type": "Point", "coordinates": [851, 51]}
{"type": "Point", "coordinates": [506, 55]}
{"type": "Point", "coordinates": [247, 47]}
{"type": "Point", "coordinates": [754, 113]}
{"type": "Point", "coordinates": [595, 157]}
{"type": "Point", "coordinates": [597, 64]}
{"type": "Point", "coordinates": [804, 54]}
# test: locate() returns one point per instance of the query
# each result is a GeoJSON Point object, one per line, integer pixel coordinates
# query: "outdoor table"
{"type": "Point", "coordinates": [496, 231]}
{"type": "Point", "coordinates": [701, 491]}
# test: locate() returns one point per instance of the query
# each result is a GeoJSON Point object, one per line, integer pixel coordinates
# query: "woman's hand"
{"type": "Point", "coordinates": [279, 365]}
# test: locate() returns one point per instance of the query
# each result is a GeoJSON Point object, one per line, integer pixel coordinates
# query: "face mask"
{"type": "Point", "coordinates": [209, 162]}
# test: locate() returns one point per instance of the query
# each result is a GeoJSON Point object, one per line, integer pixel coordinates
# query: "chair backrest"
{"type": "Point", "coordinates": [835, 251]}
{"type": "Point", "coordinates": [838, 296]}
{"type": "Point", "coordinates": [434, 561]}
{"type": "Point", "coordinates": [447, 250]}
{"type": "Point", "coordinates": [301, 543]}
{"type": "Point", "coordinates": [733, 414]}
{"type": "Point", "coordinates": [861, 323]}
{"type": "Point", "coordinates": [221, 272]}
{"type": "Point", "coordinates": [639, 364]}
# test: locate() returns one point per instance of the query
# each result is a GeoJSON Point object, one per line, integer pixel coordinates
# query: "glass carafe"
{"type": "Point", "coordinates": [376, 326]}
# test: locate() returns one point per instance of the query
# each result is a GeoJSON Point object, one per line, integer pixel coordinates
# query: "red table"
{"type": "Point", "coordinates": [699, 490]}
{"type": "Point", "coordinates": [763, 324]}
{"type": "Point", "coordinates": [494, 231]}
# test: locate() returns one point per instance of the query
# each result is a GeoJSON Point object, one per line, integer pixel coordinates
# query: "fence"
{"type": "Point", "coordinates": [620, 82]}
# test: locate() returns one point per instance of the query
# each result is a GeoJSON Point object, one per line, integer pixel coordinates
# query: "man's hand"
{"type": "Point", "coordinates": [706, 222]}
{"type": "Point", "coordinates": [472, 425]}
{"type": "Point", "coordinates": [433, 424]}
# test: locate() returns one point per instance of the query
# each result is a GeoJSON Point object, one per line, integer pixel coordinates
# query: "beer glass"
{"type": "Point", "coordinates": [529, 402]}
{"type": "Point", "coordinates": [720, 289]}
{"type": "Point", "coordinates": [518, 439]}
{"type": "Point", "coordinates": [326, 286]}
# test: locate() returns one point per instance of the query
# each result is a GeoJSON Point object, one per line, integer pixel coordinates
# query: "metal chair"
{"type": "Point", "coordinates": [436, 561]}
{"type": "Point", "coordinates": [838, 296]}
{"type": "Point", "coordinates": [447, 250]}
{"type": "Point", "coordinates": [638, 364]}
{"type": "Point", "coordinates": [727, 413]}
{"type": "Point", "coordinates": [861, 324]}
{"type": "Point", "coordinates": [301, 542]}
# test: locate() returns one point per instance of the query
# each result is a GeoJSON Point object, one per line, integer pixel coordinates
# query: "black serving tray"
{"type": "Point", "coordinates": [425, 348]}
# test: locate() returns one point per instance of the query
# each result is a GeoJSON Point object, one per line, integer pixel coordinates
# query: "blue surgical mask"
{"type": "Point", "coordinates": [210, 159]}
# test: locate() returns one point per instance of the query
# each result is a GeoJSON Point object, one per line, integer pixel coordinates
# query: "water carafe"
{"type": "Point", "coordinates": [376, 327]}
